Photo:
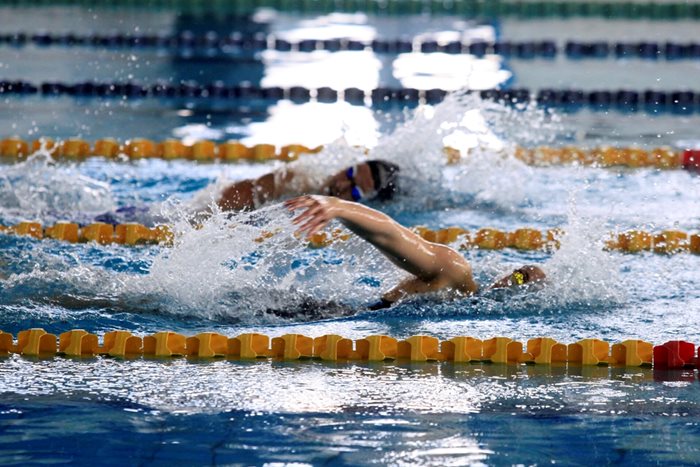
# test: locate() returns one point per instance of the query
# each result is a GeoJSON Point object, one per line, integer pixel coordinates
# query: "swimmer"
{"type": "Point", "coordinates": [434, 267]}
{"type": "Point", "coordinates": [365, 181]}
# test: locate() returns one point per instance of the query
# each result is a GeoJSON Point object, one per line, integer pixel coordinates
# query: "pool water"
{"type": "Point", "coordinates": [216, 278]}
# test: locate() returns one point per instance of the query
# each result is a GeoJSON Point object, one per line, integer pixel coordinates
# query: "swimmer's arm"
{"type": "Point", "coordinates": [407, 287]}
{"type": "Point", "coordinates": [414, 285]}
{"type": "Point", "coordinates": [435, 266]}
{"type": "Point", "coordinates": [244, 195]}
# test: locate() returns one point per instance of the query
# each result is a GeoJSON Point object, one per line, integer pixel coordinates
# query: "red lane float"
{"type": "Point", "coordinates": [674, 355]}
{"type": "Point", "coordinates": [691, 160]}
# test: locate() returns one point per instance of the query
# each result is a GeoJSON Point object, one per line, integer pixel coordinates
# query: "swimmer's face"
{"type": "Point", "coordinates": [522, 276]}
{"type": "Point", "coordinates": [352, 184]}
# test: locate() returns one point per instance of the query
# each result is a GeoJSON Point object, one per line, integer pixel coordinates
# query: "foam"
{"type": "Point", "coordinates": [219, 271]}
{"type": "Point", "coordinates": [579, 273]}
{"type": "Point", "coordinates": [39, 187]}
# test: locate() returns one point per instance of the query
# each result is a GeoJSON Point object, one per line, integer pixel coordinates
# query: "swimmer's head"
{"type": "Point", "coordinates": [386, 178]}
{"type": "Point", "coordinates": [374, 179]}
{"type": "Point", "coordinates": [529, 274]}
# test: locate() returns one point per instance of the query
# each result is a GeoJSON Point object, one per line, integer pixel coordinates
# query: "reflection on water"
{"type": "Point", "coordinates": [343, 413]}
{"type": "Point", "coordinates": [337, 70]}
{"type": "Point", "coordinates": [363, 70]}
{"type": "Point", "coordinates": [315, 124]}
{"type": "Point", "coordinates": [211, 386]}
{"type": "Point", "coordinates": [449, 72]}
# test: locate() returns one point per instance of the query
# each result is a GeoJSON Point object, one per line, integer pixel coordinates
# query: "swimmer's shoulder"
{"type": "Point", "coordinates": [457, 270]}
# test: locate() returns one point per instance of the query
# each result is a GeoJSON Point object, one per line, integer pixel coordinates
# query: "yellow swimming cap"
{"type": "Point", "coordinates": [518, 278]}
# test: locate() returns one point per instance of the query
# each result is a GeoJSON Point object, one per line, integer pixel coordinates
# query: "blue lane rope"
{"type": "Point", "coordinates": [240, 43]}
{"type": "Point", "coordinates": [681, 101]}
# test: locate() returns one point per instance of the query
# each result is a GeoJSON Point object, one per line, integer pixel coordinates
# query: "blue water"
{"type": "Point", "coordinates": [150, 411]}
{"type": "Point", "coordinates": [347, 414]}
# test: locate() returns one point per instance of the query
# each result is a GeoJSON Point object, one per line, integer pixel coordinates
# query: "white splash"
{"type": "Point", "coordinates": [493, 177]}
{"type": "Point", "coordinates": [243, 265]}
{"type": "Point", "coordinates": [248, 267]}
{"type": "Point", "coordinates": [484, 132]}
{"type": "Point", "coordinates": [38, 186]}
{"type": "Point", "coordinates": [580, 271]}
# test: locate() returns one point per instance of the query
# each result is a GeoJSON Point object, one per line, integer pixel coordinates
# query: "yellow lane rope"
{"type": "Point", "coordinates": [608, 156]}
{"type": "Point", "coordinates": [461, 349]}
{"type": "Point", "coordinates": [632, 241]}
{"type": "Point", "coordinates": [139, 148]}
{"type": "Point", "coordinates": [98, 232]}
{"type": "Point", "coordinates": [231, 151]}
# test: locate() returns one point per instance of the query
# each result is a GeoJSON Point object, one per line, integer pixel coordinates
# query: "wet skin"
{"type": "Point", "coordinates": [246, 194]}
{"type": "Point", "coordinates": [433, 266]}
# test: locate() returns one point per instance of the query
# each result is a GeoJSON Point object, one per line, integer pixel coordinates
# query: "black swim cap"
{"type": "Point", "coordinates": [385, 176]}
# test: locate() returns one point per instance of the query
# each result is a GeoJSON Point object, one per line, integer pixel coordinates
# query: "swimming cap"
{"type": "Point", "coordinates": [385, 176]}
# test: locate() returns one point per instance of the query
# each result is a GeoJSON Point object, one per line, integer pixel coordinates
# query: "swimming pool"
{"type": "Point", "coordinates": [230, 411]}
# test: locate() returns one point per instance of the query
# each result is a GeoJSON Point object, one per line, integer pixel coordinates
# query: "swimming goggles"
{"type": "Point", "coordinates": [356, 191]}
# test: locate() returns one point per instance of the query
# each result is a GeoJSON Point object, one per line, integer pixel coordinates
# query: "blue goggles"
{"type": "Point", "coordinates": [355, 192]}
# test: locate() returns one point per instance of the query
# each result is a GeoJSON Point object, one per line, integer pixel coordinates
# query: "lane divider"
{"type": "Point", "coordinates": [221, 90]}
{"type": "Point", "coordinates": [679, 101]}
{"type": "Point", "coordinates": [235, 43]}
{"type": "Point", "coordinates": [610, 156]}
{"type": "Point", "coordinates": [528, 239]}
{"type": "Point", "coordinates": [231, 151]}
{"type": "Point", "coordinates": [645, 50]}
{"type": "Point", "coordinates": [140, 148]}
{"type": "Point", "coordinates": [633, 10]}
{"type": "Point", "coordinates": [98, 232]}
{"type": "Point", "coordinates": [632, 241]}
{"type": "Point", "coordinates": [375, 348]}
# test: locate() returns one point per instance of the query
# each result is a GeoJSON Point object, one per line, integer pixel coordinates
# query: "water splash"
{"type": "Point", "coordinates": [247, 267]}
{"type": "Point", "coordinates": [580, 271]}
{"type": "Point", "coordinates": [580, 274]}
{"type": "Point", "coordinates": [494, 178]}
{"type": "Point", "coordinates": [486, 132]}
{"type": "Point", "coordinates": [487, 136]}
{"type": "Point", "coordinates": [251, 268]}
{"type": "Point", "coordinates": [38, 187]}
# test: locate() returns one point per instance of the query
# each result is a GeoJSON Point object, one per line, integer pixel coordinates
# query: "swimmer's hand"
{"type": "Point", "coordinates": [319, 211]}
